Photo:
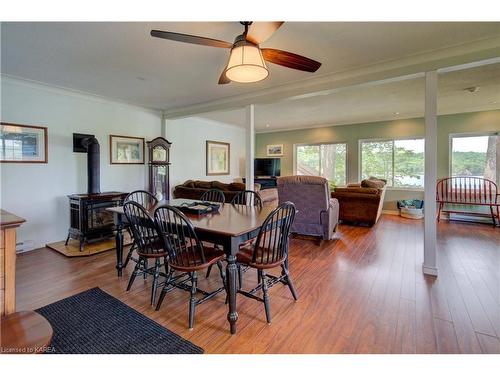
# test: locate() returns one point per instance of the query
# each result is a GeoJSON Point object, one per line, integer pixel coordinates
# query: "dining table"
{"type": "Point", "coordinates": [229, 227]}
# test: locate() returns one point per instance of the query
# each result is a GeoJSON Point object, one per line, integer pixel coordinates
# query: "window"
{"type": "Point", "coordinates": [400, 162]}
{"type": "Point", "coordinates": [325, 160]}
{"type": "Point", "coordinates": [475, 156]}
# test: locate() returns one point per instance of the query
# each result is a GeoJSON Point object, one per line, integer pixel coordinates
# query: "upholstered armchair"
{"type": "Point", "coordinates": [318, 214]}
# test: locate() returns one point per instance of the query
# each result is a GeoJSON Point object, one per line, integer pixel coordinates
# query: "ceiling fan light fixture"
{"type": "Point", "coordinates": [246, 64]}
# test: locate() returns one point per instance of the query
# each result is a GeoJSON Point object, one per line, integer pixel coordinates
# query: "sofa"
{"type": "Point", "coordinates": [194, 189]}
{"type": "Point", "coordinates": [318, 214]}
{"type": "Point", "coordinates": [361, 203]}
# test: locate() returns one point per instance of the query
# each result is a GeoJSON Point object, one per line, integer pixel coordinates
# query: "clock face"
{"type": "Point", "coordinates": [159, 154]}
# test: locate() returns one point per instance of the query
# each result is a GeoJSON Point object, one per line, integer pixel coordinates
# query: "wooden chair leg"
{"type": "Point", "coordinates": [208, 271]}
{"type": "Point", "coordinates": [262, 277]}
{"type": "Point", "coordinates": [439, 212]}
{"type": "Point", "coordinates": [222, 275]}
{"type": "Point", "coordinates": [156, 276]}
{"type": "Point", "coordinates": [129, 255]}
{"type": "Point", "coordinates": [134, 274]}
{"type": "Point", "coordinates": [192, 300]}
{"type": "Point", "coordinates": [164, 290]}
{"type": "Point", "coordinates": [145, 275]}
{"type": "Point", "coordinates": [289, 282]}
{"type": "Point", "coordinates": [493, 216]}
{"type": "Point", "coordinates": [165, 264]}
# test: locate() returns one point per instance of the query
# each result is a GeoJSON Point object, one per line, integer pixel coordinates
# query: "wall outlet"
{"type": "Point", "coordinates": [26, 245]}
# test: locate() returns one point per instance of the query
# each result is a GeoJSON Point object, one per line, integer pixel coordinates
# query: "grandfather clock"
{"type": "Point", "coordinates": [159, 165]}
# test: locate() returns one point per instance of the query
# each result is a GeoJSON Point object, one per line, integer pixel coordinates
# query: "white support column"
{"type": "Point", "coordinates": [250, 146]}
{"type": "Point", "coordinates": [430, 262]}
{"type": "Point", "coordinates": [163, 126]}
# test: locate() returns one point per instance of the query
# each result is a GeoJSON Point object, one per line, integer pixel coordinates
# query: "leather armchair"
{"type": "Point", "coordinates": [359, 204]}
{"type": "Point", "coordinates": [318, 214]}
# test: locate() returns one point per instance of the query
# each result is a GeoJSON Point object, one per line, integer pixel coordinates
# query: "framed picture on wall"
{"type": "Point", "coordinates": [23, 143]}
{"type": "Point", "coordinates": [218, 158]}
{"type": "Point", "coordinates": [274, 150]}
{"type": "Point", "coordinates": [126, 150]}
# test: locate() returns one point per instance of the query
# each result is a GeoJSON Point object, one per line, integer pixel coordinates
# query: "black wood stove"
{"type": "Point", "coordinates": [89, 220]}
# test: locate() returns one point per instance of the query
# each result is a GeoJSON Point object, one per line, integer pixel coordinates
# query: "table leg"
{"type": "Point", "coordinates": [119, 246]}
{"type": "Point", "coordinates": [231, 273]}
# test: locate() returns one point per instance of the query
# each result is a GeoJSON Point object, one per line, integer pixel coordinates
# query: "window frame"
{"type": "Point", "coordinates": [360, 159]}
{"type": "Point", "coordinates": [295, 145]}
{"type": "Point", "coordinates": [465, 135]}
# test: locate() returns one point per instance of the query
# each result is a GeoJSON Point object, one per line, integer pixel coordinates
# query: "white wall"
{"type": "Point", "coordinates": [38, 192]}
{"type": "Point", "coordinates": [188, 154]}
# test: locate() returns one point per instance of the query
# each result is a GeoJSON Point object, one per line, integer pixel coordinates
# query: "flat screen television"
{"type": "Point", "coordinates": [268, 167]}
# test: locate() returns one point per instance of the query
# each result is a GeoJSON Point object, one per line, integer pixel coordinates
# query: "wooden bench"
{"type": "Point", "coordinates": [470, 191]}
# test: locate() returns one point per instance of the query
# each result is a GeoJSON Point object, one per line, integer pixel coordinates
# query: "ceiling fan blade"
{"type": "Point", "coordinates": [259, 32]}
{"type": "Point", "coordinates": [223, 78]}
{"type": "Point", "coordinates": [290, 60]}
{"type": "Point", "coordinates": [193, 39]}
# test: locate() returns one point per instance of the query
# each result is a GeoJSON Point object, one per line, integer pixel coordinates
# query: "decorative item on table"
{"type": "Point", "coordinates": [411, 208]}
{"type": "Point", "coordinates": [274, 150]}
{"type": "Point", "coordinates": [23, 143]}
{"type": "Point", "coordinates": [199, 208]}
{"type": "Point", "coordinates": [218, 158]}
{"type": "Point", "coordinates": [126, 150]}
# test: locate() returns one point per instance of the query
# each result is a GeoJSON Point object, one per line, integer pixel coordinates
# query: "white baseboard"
{"type": "Point", "coordinates": [431, 271]}
{"type": "Point", "coordinates": [390, 212]}
{"type": "Point", "coordinates": [26, 245]}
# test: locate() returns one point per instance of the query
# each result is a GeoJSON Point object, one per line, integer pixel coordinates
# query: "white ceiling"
{"type": "Point", "coordinates": [375, 102]}
{"type": "Point", "coordinates": [121, 61]}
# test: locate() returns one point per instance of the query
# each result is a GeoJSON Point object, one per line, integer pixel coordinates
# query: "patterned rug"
{"type": "Point", "coordinates": [93, 322]}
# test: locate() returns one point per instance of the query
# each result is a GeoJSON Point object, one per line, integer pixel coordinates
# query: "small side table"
{"type": "Point", "coordinates": [25, 332]}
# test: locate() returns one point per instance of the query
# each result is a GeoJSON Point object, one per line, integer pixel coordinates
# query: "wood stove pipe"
{"type": "Point", "coordinates": [93, 165]}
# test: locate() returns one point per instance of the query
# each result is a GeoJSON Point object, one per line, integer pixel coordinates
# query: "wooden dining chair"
{"type": "Point", "coordinates": [270, 250]}
{"type": "Point", "coordinates": [247, 198]}
{"type": "Point", "coordinates": [149, 244]}
{"type": "Point", "coordinates": [213, 195]}
{"type": "Point", "coordinates": [187, 255]}
{"type": "Point", "coordinates": [147, 200]}
{"type": "Point", "coordinates": [143, 197]}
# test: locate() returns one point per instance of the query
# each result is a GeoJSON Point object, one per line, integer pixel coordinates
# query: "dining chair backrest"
{"type": "Point", "coordinates": [213, 195]}
{"type": "Point", "coordinates": [179, 237]}
{"type": "Point", "coordinates": [144, 230]}
{"type": "Point", "coordinates": [144, 198]}
{"type": "Point", "coordinates": [247, 198]}
{"type": "Point", "coordinates": [272, 241]}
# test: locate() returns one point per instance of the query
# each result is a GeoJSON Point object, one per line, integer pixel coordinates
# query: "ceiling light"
{"type": "Point", "coordinates": [246, 63]}
{"type": "Point", "coordinates": [267, 125]}
{"type": "Point", "coordinates": [396, 113]}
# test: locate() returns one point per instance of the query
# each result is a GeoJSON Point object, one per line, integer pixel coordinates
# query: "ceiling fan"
{"type": "Point", "coordinates": [247, 60]}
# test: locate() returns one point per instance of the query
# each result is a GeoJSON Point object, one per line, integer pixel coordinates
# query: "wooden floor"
{"type": "Point", "coordinates": [362, 293]}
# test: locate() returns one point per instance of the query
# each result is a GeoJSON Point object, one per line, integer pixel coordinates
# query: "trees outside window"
{"type": "Point", "coordinates": [476, 156]}
{"type": "Point", "coordinates": [325, 160]}
{"type": "Point", "coordinates": [400, 162]}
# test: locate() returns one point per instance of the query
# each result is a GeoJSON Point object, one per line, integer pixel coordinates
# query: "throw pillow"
{"type": "Point", "coordinates": [236, 186]}
{"type": "Point", "coordinates": [377, 184]}
{"type": "Point", "coordinates": [377, 179]}
{"type": "Point", "coordinates": [203, 184]}
{"type": "Point", "coordinates": [189, 184]}
{"type": "Point", "coordinates": [219, 185]}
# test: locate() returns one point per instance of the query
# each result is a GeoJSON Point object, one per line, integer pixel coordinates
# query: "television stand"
{"type": "Point", "coordinates": [265, 182]}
